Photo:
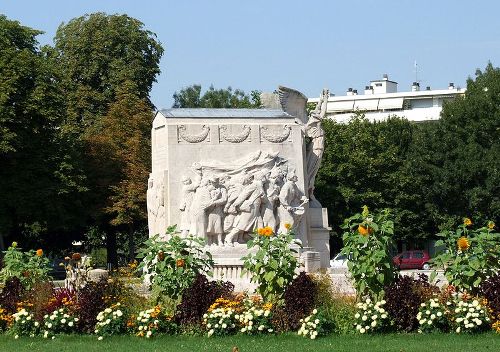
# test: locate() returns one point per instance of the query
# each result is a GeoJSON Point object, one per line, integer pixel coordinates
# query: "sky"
{"type": "Point", "coordinates": [305, 45]}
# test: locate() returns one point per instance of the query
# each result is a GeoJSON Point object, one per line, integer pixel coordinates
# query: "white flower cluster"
{"type": "Point", "coordinates": [310, 326]}
{"type": "Point", "coordinates": [220, 321]}
{"type": "Point", "coordinates": [58, 322]}
{"type": "Point", "coordinates": [371, 316]}
{"type": "Point", "coordinates": [148, 322]}
{"type": "Point", "coordinates": [470, 316]}
{"type": "Point", "coordinates": [433, 315]}
{"type": "Point", "coordinates": [24, 324]}
{"type": "Point", "coordinates": [255, 320]}
{"type": "Point", "coordinates": [110, 321]}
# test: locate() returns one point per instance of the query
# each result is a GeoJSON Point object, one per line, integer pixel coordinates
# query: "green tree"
{"type": "Point", "coordinates": [367, 163]}
{"type": "Point", "coordinates": [191, 97]}
{"type": "Point", "coordinates": [40, 183]}
{"type": "Point", "coordinates": [108, 64]}
{"type": "Point", "coordinates": [97, 54]}
{"type": "Point", "coordinates": [460, 155]}
{"type": "Point", "coordinates": [127, 159]}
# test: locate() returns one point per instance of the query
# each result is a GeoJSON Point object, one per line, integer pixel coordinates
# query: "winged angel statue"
{"type": "Point", "coordinates": [295, 103]}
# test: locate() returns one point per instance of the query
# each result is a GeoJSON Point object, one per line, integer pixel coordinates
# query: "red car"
{"type": "Point", "coordinates": [416, 259]}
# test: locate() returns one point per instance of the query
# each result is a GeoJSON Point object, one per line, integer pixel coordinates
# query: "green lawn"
{"type": "Point", "coordinates": [288, 343]}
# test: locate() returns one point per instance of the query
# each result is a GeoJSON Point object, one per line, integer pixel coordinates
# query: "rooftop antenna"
{"type": "Point", "coordinates": [416, 72]}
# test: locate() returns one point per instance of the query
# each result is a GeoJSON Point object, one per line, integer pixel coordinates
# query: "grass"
{"type": "Point", "coordinates": [286, 342]}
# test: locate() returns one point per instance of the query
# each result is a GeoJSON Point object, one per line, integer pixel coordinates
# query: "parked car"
{"type": "Point", "coordinates": [339, 261]}
{"type": "Point", "coordinates": [416, 259]}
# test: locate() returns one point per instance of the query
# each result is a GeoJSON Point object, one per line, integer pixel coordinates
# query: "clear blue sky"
{"type": "Point", "coordinates": [306, 45]}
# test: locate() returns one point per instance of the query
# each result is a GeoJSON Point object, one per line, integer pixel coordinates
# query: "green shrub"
{"type": "Point", "coordinates": [471, 256]}
{"type": "Point", "coordinates": [30, 267]}
{"type": "Point", "coordinates": [368, 241]}
{"type": "Point", "coordinates": [338, 308]}
{"type": "Point", "coordinates": [99, 257]}
{"type": "Point", "coordinates": [171, 266]}
{"type": "Point", "coordinates": [273, 265]}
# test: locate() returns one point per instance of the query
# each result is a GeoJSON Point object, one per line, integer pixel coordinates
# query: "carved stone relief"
{"type": "Point", "coordinates": [225, 132]}
{"type": "Point", "coordinates": [230, 201]}
{"type": "Point", "coordinates": [275, 134]}
{"type": "Point", "coordinates": [184, 135]}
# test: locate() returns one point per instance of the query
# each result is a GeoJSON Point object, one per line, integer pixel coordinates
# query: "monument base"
{"type": "Point", "coordinates": [319, 234]}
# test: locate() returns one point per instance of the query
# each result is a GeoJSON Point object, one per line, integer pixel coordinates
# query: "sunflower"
{"type": "Point", "coordinates": [364, 230]}
{"type": "Point", "coordinates": [288, 226]}
{"type": "Point", "coordinates": [491, 225]}
{"type": "Point", "coordinates": [467, 222]}
{"type": "Point", "coordinates": [463, 243]}
{"type": "Point", "coordinates": [180, 263]}
{"type": "Point", "coordinates": [39, 252]}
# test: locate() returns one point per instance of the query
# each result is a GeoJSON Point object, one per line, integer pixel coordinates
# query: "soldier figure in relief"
{"type": "Point", "coordinates": [291, 199]}
{"type": "Point", "coordinates": [215, 228]}
{"type": "Point", "coordinates": [188, 190]}
{"type": "Point", "coordinates": [248, 203]}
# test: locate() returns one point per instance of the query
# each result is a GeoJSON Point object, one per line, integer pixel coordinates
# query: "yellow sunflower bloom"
{"type": "Point", "coordinates": [467, 222]}
{"type": "Point", "coordinates": [463, 244]}
{"type": "Point", "coordinates": [491, 225]}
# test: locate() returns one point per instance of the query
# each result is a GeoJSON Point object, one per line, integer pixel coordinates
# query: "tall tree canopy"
{"type": "Point", "coordinates": [191, 97]}
{"type": "Point", "coordinates": [108, 64]}
{"type": "Point", "coordinates": [97, 54]}
{"type": "Point", "coordinates": [460, 155]}
{"type": "Point", "coordinates": [40, 182]}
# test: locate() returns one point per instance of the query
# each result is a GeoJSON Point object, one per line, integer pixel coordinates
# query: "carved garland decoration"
{"type": "Point", "coordinates": [235, 138]}
{"type": "Point", "coordinates": [193, 138]}
{"type": "Point", "coordinates": [275, 137]}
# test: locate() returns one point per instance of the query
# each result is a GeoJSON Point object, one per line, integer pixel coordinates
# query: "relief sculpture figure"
{"type": "Point", "coordinates": [271, 199]}
{"type": "Point", "coordinates": [291, 207]}
{"type": "Point", "coordinates": [248, 203]}
{"type": "Point", "coordinates": [202, 201]}
{"type": "Point", "coordinates": [215, 228]}
{"type": "Point", "coordinates": [188, 190]}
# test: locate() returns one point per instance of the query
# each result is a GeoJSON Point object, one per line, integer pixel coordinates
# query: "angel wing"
{"type": "Point", "coordinates": [293, 102]}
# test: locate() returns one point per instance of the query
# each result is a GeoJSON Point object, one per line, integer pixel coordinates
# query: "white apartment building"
{"type": "Point", "coordinates": [381, 99]}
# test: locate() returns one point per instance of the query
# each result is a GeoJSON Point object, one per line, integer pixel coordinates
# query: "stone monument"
{"type": "Point", "coordinates": [222, 173]}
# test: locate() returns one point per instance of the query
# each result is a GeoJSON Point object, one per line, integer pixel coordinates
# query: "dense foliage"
{"type": "Point", "coordinates": [172, 265]}
{"type": "Point", "coordinates": [471, 256]}
{"type": "Point", "coordinates": [403, 299]}
{"type": "Point", "coordinates": [300, 299]}
{"type": "Point", "coordinates": [271, 262]}
{"type": "Point", "coordinates": [368, 242]}
{"type": "Point", "coordinates": [191, 97]}
{"type": "Point", "coordinates": [199, 297]}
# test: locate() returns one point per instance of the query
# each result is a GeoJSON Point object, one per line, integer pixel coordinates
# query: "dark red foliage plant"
{"type": "Point", "coordinates": [490, 289]}
{"type": "Point", "coordinates": [403, 298]}
{"type": "Point", "coordinates": [199, 297]}
{"type": "Point", "coordinates": [12, 293]}
{"type": "Point", "coordinates": [299, 299]}
{"type": "Point", "coordinates": [90, 301]}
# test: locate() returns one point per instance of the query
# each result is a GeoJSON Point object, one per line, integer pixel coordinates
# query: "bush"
{"type": "Point", "coordinates": [171, 266]}
{"type": "Point", "coordinates": [490, 289]}
{"type": "Point", "coordinates": [299, 300]}
{"type": "Point", "coordinates": [368, 241]}
{"type": "Point", "coordinates": [337, 308]}
{"type": "Point", "coordinates": [12, 293]}
{"type": "Point", "coordinates": [273, 265]}
{"type": "Point", "coordinates": [199, 297]}
{"type": "Point", "coordinates": [404, 298]}
{"type": "Point", "coordinates": [29, 267]}
{"type": "Point", "coordinates": [471, 256]}
{"type": "Point", "coordinates": [314, 325]}
{"type": "Point", "coordinates": [90, 303]}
